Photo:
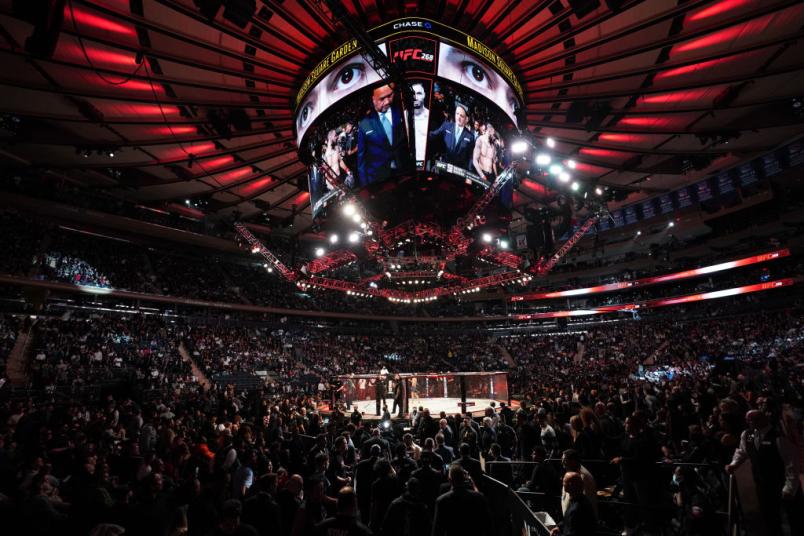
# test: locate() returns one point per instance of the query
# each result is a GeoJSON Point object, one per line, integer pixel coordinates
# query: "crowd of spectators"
{"type": "Point", "coordinates": [267, 462]}
{"type": "Point", "coordinates": [76, 351]}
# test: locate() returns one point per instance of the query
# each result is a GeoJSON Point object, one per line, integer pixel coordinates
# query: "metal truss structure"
{"type": "Point", "coordinates": [414, 270]}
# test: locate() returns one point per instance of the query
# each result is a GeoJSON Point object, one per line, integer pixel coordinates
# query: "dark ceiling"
{"type": "Point", "coordinates": [640, 93]}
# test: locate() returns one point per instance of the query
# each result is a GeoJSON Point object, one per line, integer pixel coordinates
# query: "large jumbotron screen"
{"type": "Point", "coordinates": [353, 129]}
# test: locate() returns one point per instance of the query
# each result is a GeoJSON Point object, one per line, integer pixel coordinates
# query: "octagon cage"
{"type": "Point", "coordinates": [402, 394]}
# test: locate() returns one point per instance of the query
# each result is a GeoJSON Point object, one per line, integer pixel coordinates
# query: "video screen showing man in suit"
{"type": "Point", "coordinates": [455, 139]}
{"type": "Point", "coordinates": [382, 142]}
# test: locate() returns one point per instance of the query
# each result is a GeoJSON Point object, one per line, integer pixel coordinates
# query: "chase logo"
{"type": "Point", "coordinates": [412, 24]}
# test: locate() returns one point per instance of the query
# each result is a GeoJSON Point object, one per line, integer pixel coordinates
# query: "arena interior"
{"type": "Point", "coordinates": [402, 268]}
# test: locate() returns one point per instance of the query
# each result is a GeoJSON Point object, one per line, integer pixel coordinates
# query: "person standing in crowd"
{"type": "Point", "coordinates": [571, 461]}
{"type": "Point", "coordinates": [776, 473]}
{"type": "Point", "coordinates": [408, 514]}
{"type": "Point", "coordinates": [345, 522]}
{"type": "Point", "coordinates": [579, 519]}
{"type": "Point", "coordinates": [462, 510]}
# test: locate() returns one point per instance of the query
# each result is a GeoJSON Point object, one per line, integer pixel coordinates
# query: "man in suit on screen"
{"type": "Point", "coordinates": [457, 139]}
{"type": "Point", "coordinates": [382, 145]}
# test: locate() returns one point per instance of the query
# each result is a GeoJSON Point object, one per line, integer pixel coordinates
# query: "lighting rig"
{"type": "Point", "coordinates": [421, 279]}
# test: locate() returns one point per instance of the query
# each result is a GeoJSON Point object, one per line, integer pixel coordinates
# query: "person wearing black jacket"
{"type": "Point", "coordinates": [639, 454]}
{"type": "Point", "coordinates": [384, 490]}
{"type": "Point", "coordinates": [428, 480]}
{"type": "Point", "coordinates": [409, 514]}
{"type": "Point", "coordinates": [579, 519]}
{"type": "Point", "coordinates": [261, 510]}
{"type": "Point", "coordinates": [364, 478]}
{"type": "Point", "coordinates": [462, 511]}
{"type": "Point", "coordinates": [471, 465]}
{"type": "Point", "coordinates": [345, 522]}
{"type": "Point", "coordinates": [501, 471]}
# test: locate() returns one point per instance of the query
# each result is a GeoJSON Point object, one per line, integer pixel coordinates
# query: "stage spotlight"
{"type": "Point", "coordinates": [671, 224]}
{"type": "Point", "coordinates": [571, 164]}
{"type": "Point", "coordinates": [555, 169]}
{"type": "Point", "coordinates": [503, 244]}
{"type": "Point", "coordinates": [551, 143]}
{"type": "Point", "coordinates": [543, 159]}
{"type": "Point", "coordinates": [519, 147]}
{"type": "Point", "coordinates": [564, 176]}
{"type": "Point", "coordinates": [186, 201]}
{"type": "Point", "coordinates": [356, 218]}
{"type": "Point", "coordinates": [487, 237]}
{"type": "Point", "coordinates": [354, 238]}
{"type": "Point", "coordinates": [575, 186]}
{"type": "Point", "coordinates": [639, 233]}
{"type": "Point", "coordinates": [599, 191]}
{"type": "Point", "coordinates": [333, 239]}
{"type": "Point", "coordinates": [270, 270]}
{"type": "Point", "coordinates": [319, 252]}
{"type": "Point", "coordinates": [348, 209]}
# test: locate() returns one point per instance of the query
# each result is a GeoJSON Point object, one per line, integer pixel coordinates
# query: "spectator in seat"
{"type": "Point", "coordinates": [775, 468]}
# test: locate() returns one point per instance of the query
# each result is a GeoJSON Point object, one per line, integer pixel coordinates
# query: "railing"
{"type": "Point", "coordinates": [730, 515]}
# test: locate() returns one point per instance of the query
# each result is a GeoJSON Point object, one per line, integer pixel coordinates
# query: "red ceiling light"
{"type": "Point", "coordinates": [535, 187]}
{"type": "Point", "coordinates": [687, 69]}
{"type": "Point", "coordinates": [217, 162]}
{"type": "Point", "coordinates": [97, 55]}
{"type": "Point", "coordinates": [174, 130]}
{"type": "Point", "coordinates": [651, 121]}
{"type": "Point", "coordinates": [589, 169]}
{"type": "Point", "coordinates": [188, 149]}
{"type": "Point", "coordinates": [677, 96]}
{"type": "Point", "coordinates": [302, 198]}
{"type": "Point", "coordinates": [154, 109]}
{"type": "Point", "coordinates": [603, 153]}
{"type": "Point", "coordinates": [616, 137]}
{"type": "Point", "coordinates": [724, 36]}
{"type": "Point", "coordinates": [722, 7]}
{"type": "Point", "coordinates": [254, 186]}
{"type": "Point", "coordinates": [85, 18]}
{"type": "Point", "coordinates": [138, 85]}
{"type": "Point", "coordinates": [235, 174]}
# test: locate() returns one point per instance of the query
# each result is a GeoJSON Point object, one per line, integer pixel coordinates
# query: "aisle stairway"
{"type": "Point", "coordinates": [17, 362]}
{"type": "Point", "coordinates": [581, 350]}
{"type": "Point", "coordinates": [198, 374]}
{"type": "Point", "coordinates": [651, 360]}
{"type": "Point", "coordinates": [507, 356]}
